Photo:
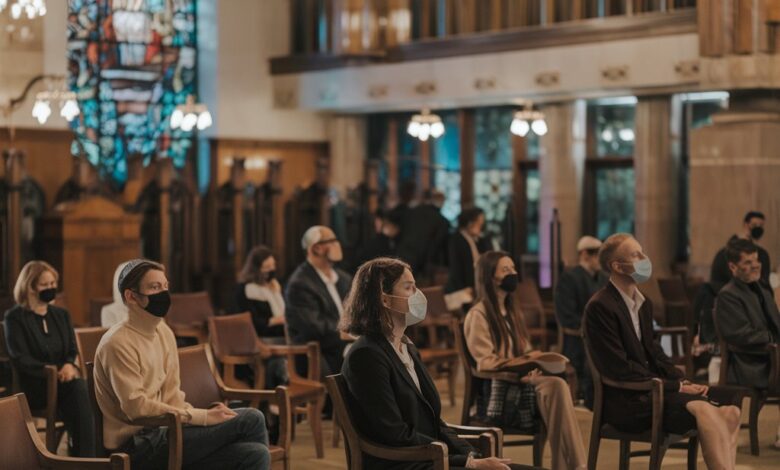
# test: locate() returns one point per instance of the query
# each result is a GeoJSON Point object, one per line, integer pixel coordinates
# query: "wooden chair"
{"type": "Point", "coordinates": [54, 429]}
{"type": "Point", "coordinates": [758, 397]}
{"type": "Point", "coordinates": [438, 354]}
{"type": "Point", "coordinates": [21, 447]}
{"type": "Point", "coordinates": [189, 315]}
{"type": "Point", "coordinates": [235, 342]}
{"type": "Point", "coordinates": [96, 307]}
{"type": "Point", "coordinates": [659, 440]}
{"type": "Point", "coordinates": [681, 342]}
{"type": "Point", "coordinates": [87, 340]}
{"type": "Point", "coordinates": [171, 421]}
{"type": "Point", "coordinates": [677, 307]}
{"type": "Point", "coordinates": [528, 300]}
{"type": "Point", "coordinates": [486, 440]}
{"type": "Point", "coordinates": [473, 381]}
{"type": "Point", "coordinates": [202, 386]}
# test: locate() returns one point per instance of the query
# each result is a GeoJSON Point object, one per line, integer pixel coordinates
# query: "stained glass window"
{"type": "Point", "coordinates": [130, 63]}
{"type": "Point", "coordinates": [614, 201]}
{"type": "Point", "coordinates": [445, 156]}
{"type": "Point", "coordinates": [614, 127]}
{"type": "Point", "coordinates": [493, 162]}
{"type": "Point", "coordinates": [533, 189]}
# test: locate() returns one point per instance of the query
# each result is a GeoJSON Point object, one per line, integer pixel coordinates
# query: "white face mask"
{"type": "Point", "coordinates": [417, 307]}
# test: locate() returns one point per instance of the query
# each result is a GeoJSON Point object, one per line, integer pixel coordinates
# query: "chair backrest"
{"type": "Point", "coordinates": [598, 386]}
{"type": "Point", "coordinates": [436, 303]}
{"type": "Point", "coordinates": [87, 340]}
{"type": "Point", "coordinates": [61, 300]}
{"type": "Point", "coordinates": [198, 375]}
{"type": "Point", "coordinates": [18, 448]}
{"type": "Point", "coordinates": [725, 354]}
{"type": "Point", "coordinates": [529, 302]}
{"type": "Point", "coordinates": [340, 396]}
{"type": "Point", "coordinates": [677, 307]}
{"type": "Point", "coordinates": [6, 357]}
{"type": "Point", "coordinates": [233, 335]}
{"type": "Point", "coordinates": [672, 289]}
{"type": "Point", "coordinates": [469, 366]}
{"type": "Point", "coordinates": [96, 307]}
{"type": "Point", "coordinates": [191, 308]}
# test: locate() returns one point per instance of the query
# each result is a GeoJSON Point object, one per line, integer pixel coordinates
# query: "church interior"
{"type": "Point", "coordinates": [216, 136]}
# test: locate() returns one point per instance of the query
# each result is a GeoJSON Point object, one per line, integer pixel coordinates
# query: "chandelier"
{"type": "Point", "coordinates": [527, 120]}
{"type": "Point", "coordinates": [69, 108]}
{"type": "Point", "coordinates": [29, 8]}
{"type": "Point", "coordinates": [425, 125]}
{"type": "Point", "coordinates": [189, 115]}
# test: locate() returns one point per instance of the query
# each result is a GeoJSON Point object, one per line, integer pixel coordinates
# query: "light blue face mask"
{"type": "Point", "coordinates": [643, 270]}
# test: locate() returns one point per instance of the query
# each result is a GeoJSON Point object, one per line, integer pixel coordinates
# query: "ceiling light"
{"type": "Point", "coordinates": [189, 115]}
{"type": "Point", "coordinates": [527, 120]}
{"type": "Point", "coordinates": [626, 135]}
{"type": "Point", "coordinates": [425, 125]}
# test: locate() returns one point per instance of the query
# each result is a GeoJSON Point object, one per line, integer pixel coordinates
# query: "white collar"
{"type": "Point", "coordinates": [634, 303]}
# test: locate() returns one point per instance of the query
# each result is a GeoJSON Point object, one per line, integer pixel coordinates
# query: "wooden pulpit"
{"type": "Point", "coordinates": [85, 240]}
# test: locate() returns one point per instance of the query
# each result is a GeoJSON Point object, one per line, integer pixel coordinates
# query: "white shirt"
{"type": "Point", "coordinates": [330, 283]}
{"type": "Point", "coordinates": [633, 304]}
{"type": "Point", "coordinates": [407, 360]}
{"type": "Point", "coordinates": [264, 293]}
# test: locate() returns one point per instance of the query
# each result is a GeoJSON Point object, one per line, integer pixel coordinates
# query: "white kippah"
{"type": "Point", "coordinates": [312, 236]}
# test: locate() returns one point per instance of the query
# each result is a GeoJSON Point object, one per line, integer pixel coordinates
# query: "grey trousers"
{"type": "Point", "coordinates": [240, 443]}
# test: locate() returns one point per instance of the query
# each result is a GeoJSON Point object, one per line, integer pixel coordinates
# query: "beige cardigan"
{"type": "Point", "coordinates": [476, 331]}
{"type": "Point", "coordinates": [137, 375]}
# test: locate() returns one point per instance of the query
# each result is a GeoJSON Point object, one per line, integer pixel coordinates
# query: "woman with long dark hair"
{"type": "Point", "coordinates": [260, 294]}
{"type": "Point", "coordinates": [396, 402]}
{"type": "Point", "coordinates": [497, 339]}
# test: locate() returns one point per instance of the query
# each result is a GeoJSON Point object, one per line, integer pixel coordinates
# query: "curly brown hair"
{"type": "Point", "coordinates": [364, 313]}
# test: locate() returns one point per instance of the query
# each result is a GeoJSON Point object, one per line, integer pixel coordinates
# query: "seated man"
{"type": "Point", "coordinates": [747, 317]}
{"type": "Point", "coordinates": [619, 324]}
{"type": "Point", "coordinates": [575, 288]}
{"type": "Point", "coordinates": [137, 376]}
{"type": "Point", "coordinates": [315, 296]}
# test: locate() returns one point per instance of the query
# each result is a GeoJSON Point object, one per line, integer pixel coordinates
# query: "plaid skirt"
{"type": "Point", "coordinates": [510, 406]}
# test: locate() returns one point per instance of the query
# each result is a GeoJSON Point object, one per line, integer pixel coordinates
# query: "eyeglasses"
{"type": "Point", "coordinates": [328, 241]}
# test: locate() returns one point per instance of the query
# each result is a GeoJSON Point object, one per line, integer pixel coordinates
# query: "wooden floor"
{"type": "Point", "coordinates": [303, 448]}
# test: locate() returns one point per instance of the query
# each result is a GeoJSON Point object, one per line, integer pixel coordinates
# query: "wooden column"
{"type": "Point", "coordinates": [14, 173]}
{"type": "Point", "coordinates": [425, 166]}
{"type": "Point", "coordinates": [657, 171]}
{"type": "Point", "coordinates": [371, 179]}
{"type": "Point", "coordinates": [237, 184]}
{"type": "Point", "coordinates": [277, 241]}
{"type": "Point", "coordinates": [467, 149]}
{"type": "Point", "coordinates": [519, 198]}
{"type": "Point", "coordinates": [323, 181]}
{"type": "Point", "coordinates": [392, 162]}
{"type": "Point", "coordinates": [347, 137]}
{"type": "Point", "coordinates": [164, 179]}
{"type": "Point", "coordinates": [561, 168]}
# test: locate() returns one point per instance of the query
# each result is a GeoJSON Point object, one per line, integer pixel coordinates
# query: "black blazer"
{"type": "Point", "coordinates": [618, 354]}
{"type": "Point", "coordinates": [310, 311]}
{"type": "Point", "coordinates": [575, 288]}
{"type": "Point", "coordinates": [260, 311]}
{"type": "Point", "coordinates": [27, 346]}
{"type": "Point", "coordinates": [387, 406]}
{"type": "Point", "coordinates": [461, 262]}
{"type": "Point", "coordinates": [743, 323]}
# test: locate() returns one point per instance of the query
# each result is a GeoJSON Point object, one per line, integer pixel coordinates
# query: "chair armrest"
{"type": "Point", "coordinates": [237, 360]}
{"type": "Point", "coordinates": [495, 375]}
{"type": "Point", "coordinates": [496, 438]}
{"type": "Point", "coordinates": [485, 443]}
{"type": "Point", "coordinates": [644, 386]}
{"type": "Point", "coordinates": [112, 462]}
{"type": "Point", "coordinates": [249, 395]}
{"type": "Point", "coordinates": [50, 372]}
{"type": "Point", "coordinates": [173, 422]}
{"type": "Point", "coordinates": [435, 451]}
{"type": "Point", "coordinates": [671, 330]}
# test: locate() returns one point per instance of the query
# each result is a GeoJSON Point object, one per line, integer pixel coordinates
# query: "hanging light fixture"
{"type": "Point", "coordinates": [189, 115]}
{"type": "Point", "coordinates": [69, 108]}
{"type": "Point", "coordinates": [30, 9]}
{"type": "Point", "coordinates": [527, 120]}
{"type": "Point", "coordinates": [425, 125]}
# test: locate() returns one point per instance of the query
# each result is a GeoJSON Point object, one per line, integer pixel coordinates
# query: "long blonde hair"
{"type": "Point", "coordinates": [28, 277]}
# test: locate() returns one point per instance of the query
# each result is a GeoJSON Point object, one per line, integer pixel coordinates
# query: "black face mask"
{"type": "Point", "coordinates": [270, 276]}
{"type": "Point", "coordinates": [756, 232]}
{"type": "Point", "coordinates": [509, 283]}
{"type": "Point", "coordinates": [47, 295]}
{"type": "Point", "coordinates": [159, 303]}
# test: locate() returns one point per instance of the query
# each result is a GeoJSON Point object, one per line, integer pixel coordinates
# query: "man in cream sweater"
{"type": "Point", "coordinates": [137, 375]}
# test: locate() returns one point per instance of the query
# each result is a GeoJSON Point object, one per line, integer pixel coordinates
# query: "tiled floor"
{"type": "Point", "coordinates": [303, 447]}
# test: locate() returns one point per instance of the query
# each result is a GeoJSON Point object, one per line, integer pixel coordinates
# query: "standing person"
{"type": "Point", "coordinates": [383, 244]}
{"type": "Point", "coordinates": [748, 318]}
{"type": "Point", "coordinates": [575, 288]}
{"type": "Point", "coordinates": [495, 335]}
{"type": "Point", "coordinates": [137, 376]}
{"type": "Point", "coordinates": [259, 293]}
{"type": "Point", "coordinates": [465, 247]}
{"type": "Point", "coordinates": [395, 400]}
{"type": "Point", "coordinates": [424, 239]}
{"type": "Point", "coordinates": [39, 334]}
{"type": "Point", "coordinates": [314, 296]}
{"type": "Point", "coordinates": [752, 230]}
{"type": "Point", "coordinates": [618, 323]}
{"type": "Point", "coordinates": [116, 311]}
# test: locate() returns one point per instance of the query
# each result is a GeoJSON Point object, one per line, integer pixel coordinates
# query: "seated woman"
{"type": "Point", "coordinates": [260, 294]}
{"type": "Point", "coordinates": [495, 334]}
{"type": "Point", "coordinates": [396, 402]}
{"type": "Point", "coordinates": [40, 334]}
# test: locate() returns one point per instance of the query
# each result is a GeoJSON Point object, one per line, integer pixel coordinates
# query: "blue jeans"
{"type": "Point", "coordinates": [240, 443]}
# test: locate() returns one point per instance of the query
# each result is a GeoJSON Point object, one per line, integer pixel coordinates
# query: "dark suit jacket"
{"type": "Point", "coordinates": [310, 311]}
{"type": "Point", "coordinates": [387, 406]}
{"type": "Point", "coordinates": [261, 313]}
{"type": "Point", "coordinates": [575, 288]}
{"type": "Point", "coordinates": [424, 237]}
{"type": "Point", "coordinates": [742, 323]}
{"type": "Point", "coordinates": [461, 263]}
{"type": "Point", "coordinates": [618, 354]}
{"type": "Point", "coordinates": [720, 274]}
